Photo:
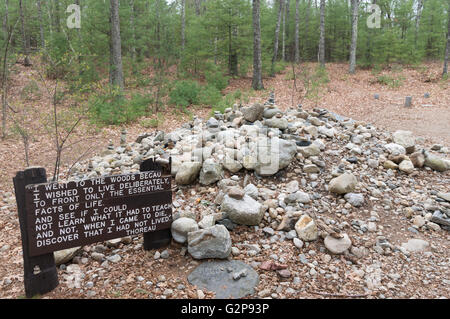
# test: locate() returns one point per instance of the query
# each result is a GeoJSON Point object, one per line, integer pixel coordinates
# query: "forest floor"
{"type": "Point", "coordinates": [344, 94]}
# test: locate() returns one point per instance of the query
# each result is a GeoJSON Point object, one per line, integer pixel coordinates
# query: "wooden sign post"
{"type": "Point", "coordinates": [57, 216]}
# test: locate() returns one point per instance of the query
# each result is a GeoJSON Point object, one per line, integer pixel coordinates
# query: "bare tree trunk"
{"type": "Point", "coordinates": [197, 6]}
{"type": "Point", "coordinates": [296, 33]}
{"type": "Point", "coordinates": [287, 29]}
{"type": "Point", "coordinates": [277, 32]}
{"type": "Point", "coordinates": [447, 49]}
{"type": "Point", "coordinates": [5, 21]}
{"type": "Point", "coordinates": [322, 34]}
{"type": "Point", "coordinates": [355, 13]}
{"type": "Point", "coordinates": [41, 27]}
{"type": "Point", "coordinates": [133, 31]}
{"type": "Point", "coordinates": [283, 44]}
{"type": "Point", "coordinates": [26, 43]}
{"type": "Point", "coordinates": [116, 47]}
{"type": "Point", "coordinates": [183, 24]}
{"type": "Point", "coordinates": [257, 83]}
{"type": "Point", "coordinates": [9, 34]}
{"type": "Point", "coordinates": [305, 47]}
{"type": "Point", "coordinates": [418, 17]}
{"type": "Point", "coordinates": [56, 17]}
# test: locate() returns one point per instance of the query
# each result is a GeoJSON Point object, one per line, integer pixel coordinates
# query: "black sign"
{"type": "Point", "coordinates": [66, 215]}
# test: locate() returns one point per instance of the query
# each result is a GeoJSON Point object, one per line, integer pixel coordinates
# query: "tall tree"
{"type": "Point", "coordinates": [5, 20]}
{"type": "Point", "coordinates": [56, 16]}
{"type": "Point", "coordinates": [308, 10]}
{"type": "Point", "coordinates": [183, 22]}
{"type": "Point", "coordinates": [277, 33]}
{"type": "Point", "coordinates": [257, 83]}
{"type": "Point", "coordinates": [296, 33]}
{"type": "Point", "coordinates": [418, 17]}
{"type": "Point", "coordinates": [322, 34]}
{"type": "Point", "coordinates": [447, 48]}
{"type": "Point", "coordinates": [355, 14]}
{"type": "Point", "coordinates": [116, 69]}
{"type": "Point", "coordinates": [25, 39]}
{"type": "Point", "coordinates": [288, 3]}
{"type": "Point", "coordinates": [41, 26]}
{"type": "Point", "coordinates": [133, 30]}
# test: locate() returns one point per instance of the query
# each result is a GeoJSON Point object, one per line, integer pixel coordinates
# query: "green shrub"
{"type": "Point", "coordinates": [226, 102]}
{"type": "Point", "coordinates": [390, 81]}
{"type": "Point", "coordinates": [217, 79]}
{"type": "Point", "coordinates": [113, 108]}
{"type": "Point", "coordinates": [184, 93]}
{"type": "Point", "coordinates": [209, 95]}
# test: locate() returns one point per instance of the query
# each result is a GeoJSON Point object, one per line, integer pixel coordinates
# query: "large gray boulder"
{"type": "Point", "coordinates": [187, 173]}
{"type": "Point", "coordinates": [405, 139]}
{"type": "Point", "coordinates": [436, 163]}
{"type": "Point", "coordinates": [181, 227]}
{"type": "Point", "coordinates": [245, 211]}
{"type": "Point", "coordinates": [275, 122]}
{"type": "Point", "coordinates": [253, 113]}
{"type": "Point", "coordinates": [212, 242]}
{"type": "Point", "coordinates": [211, 172]}
{"type": "Point", "coordinates": [273, 155]}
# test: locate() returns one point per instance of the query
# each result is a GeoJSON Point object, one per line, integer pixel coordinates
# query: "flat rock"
{"type": "Point", "coordinates": [217, 276]}
{"type": "Point", "coordinates": [415, 245]}
{"type": "Point", "coordinates": [66, 255]}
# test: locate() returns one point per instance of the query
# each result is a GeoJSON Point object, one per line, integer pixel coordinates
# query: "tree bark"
{"type": "Point", "coordinates": [56, 17]}
{"type": "Point", "coordinates": [5, 21]}
{"type": "Point", "coordinates": [296, 33]}
{"type": "Point", "coordinates": [355, 13]}
{"type": "Point", "coordinates": [447, 49]}
{"type": "Point", "coordinates": [133, 31]}
{"type": "Point", "coordinates": [288, 12]}
{"type": "Point", "coordinates": [41, 26]}
{"type": "Point", "coordinates": [322, 34]}
{"type": "Point", "coordinates": [283, 44]}
{"type": "Point", "coordinates": [305, 46]}
{"type": "Point", "coordinates": [277, 33]}
{"type": "Point", "coordinates": [183, 24]}
{"type": "Point", "coordinates": [26, 43]}
{"type": "Point", "coordinates": [257, 83]}
{"type": "Point", "coordinates": [418, 17]}
{"type": "Point", "coordinates": [116, 69]}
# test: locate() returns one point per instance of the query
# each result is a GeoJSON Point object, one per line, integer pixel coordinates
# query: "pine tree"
{"type": "Point", "coordinates": [355, 13]}
{"type": "Point", "coordinates": [116, 69]}
{"type": "Point", "coordinates": [257, 83]}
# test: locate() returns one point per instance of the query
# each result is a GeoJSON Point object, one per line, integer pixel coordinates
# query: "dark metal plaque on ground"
{"type": "Point", "coordinates": [66, 215]}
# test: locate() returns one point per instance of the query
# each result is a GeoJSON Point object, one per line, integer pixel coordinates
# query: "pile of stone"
{"type": "Point", "coordinates": [306, 166]}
